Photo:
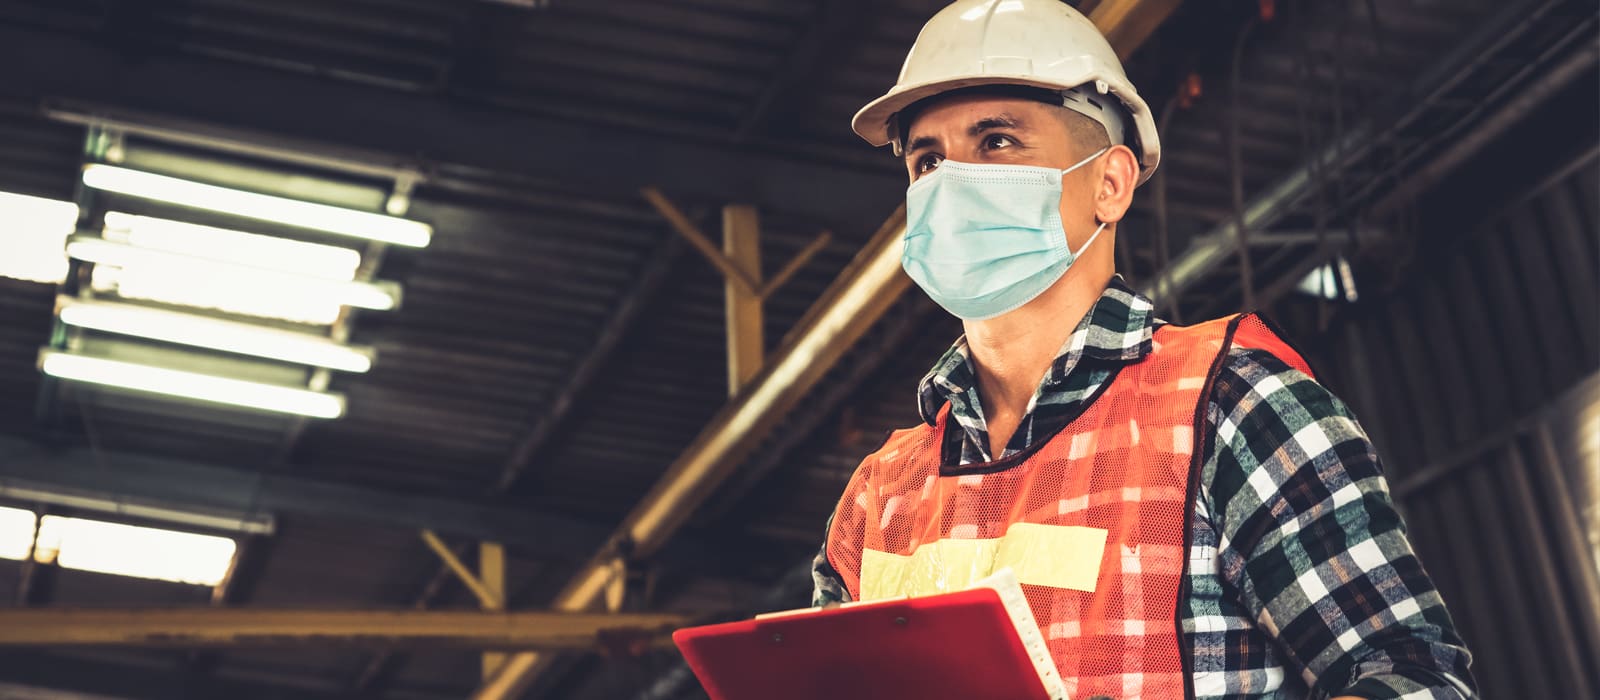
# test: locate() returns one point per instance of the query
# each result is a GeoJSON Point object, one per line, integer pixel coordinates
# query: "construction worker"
{"type": "Point", "coordinates": [1190, 513]}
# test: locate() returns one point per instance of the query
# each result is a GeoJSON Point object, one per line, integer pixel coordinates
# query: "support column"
{"type": "Point", "coordinates": [492, 572]}
{"type": "Point", "coordinates": [741, 243]}
{"type": "Point", "coordinates": [617, 586]}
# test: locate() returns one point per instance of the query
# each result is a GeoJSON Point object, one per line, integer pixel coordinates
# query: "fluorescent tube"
{"type": "Point", "coordinates": [192, 385]}
{"type": "Point", "coordinates": [32, 229]}
{"type": "Point", "coordinates": [16, 533]}
{"type": "Point", "coordinates": [132, 550]}
{"type": "Point", "coordinates": [215, 334]}
{"type": "Point", "coordinates": [379, 296]}
{"type": "Point", "coordinates": [262, 207]}
{"type": "Point", "coordinates": [256, 250]}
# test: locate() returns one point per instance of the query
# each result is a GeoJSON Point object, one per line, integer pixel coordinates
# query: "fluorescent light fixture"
{"type": "Point", "coordinates": [31, 233]}
{"type": "Point", "coordinates": [190, 385]}
{"type": "Point", "coordinates": [213, 243]}
{"type": "Point", "coordinates": [215, 334]}
{"type": "Point", "coordinates": [250, 292]}
{"type": "Point", "coordinates": [131, 550]}
{"type": "Point", "coordinates": [113, 548]}
{"type": "Point", "coordinates": [16, 533]}
{"type": "Point", "coordinates": [210, 288]}
{"type": "Point", "coordinates": [249, 522]}
{"type": "Point", "coordinates": [262, 207]}
{"type": "Point", "coordinates": [216, 276]}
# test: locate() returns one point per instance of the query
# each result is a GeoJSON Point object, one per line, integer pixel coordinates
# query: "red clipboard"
{"type": "Point", "coordinates": [953, 646]}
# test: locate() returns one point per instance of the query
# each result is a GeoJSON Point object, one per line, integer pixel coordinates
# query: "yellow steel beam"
{"type": "Point", "coordinates": [856, 300]}
{"type": "Point", "coordinates": [1127, 23]}
{"type": "Point", "coordinates": [798, 261]}
{"type": "Point", "coordinates": [488, 599]}
{"type": "Point", "coordinates": [725, 264]}
{"type": "Point", "coordinates": [492, 572]}
{"type": "Point", "coordinates": [224, 627]}
{"type": "Point", "coordinates": [685, 227]}
{"type": "Point", "coordinates": [617, 585]}
{"type": "Point", "coordinates": [741, 244]}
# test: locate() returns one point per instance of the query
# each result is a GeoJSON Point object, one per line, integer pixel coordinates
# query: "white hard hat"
{"type": "Point", "coordinates": [1038, 43]}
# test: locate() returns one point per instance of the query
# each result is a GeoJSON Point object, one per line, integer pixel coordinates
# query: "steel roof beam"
{"type": "Point", "coordinates": [194, 628]}
{"type": "Point", "coordinates": [831, 24]}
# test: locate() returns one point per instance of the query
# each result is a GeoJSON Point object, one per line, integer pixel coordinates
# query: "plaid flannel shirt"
{"type": "Point", "coordinates": [1302, 582]}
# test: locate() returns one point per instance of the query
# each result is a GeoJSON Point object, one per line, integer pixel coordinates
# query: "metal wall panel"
{"type": "Point", "coordinates": [1477, 379]}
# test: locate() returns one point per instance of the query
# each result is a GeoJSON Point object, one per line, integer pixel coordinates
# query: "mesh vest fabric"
{"type": "Point", "coordinates": [1093, 520]}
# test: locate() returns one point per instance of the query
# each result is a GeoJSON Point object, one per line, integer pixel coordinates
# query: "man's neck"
{"type": "Point", "coordinates": [1012, 352]}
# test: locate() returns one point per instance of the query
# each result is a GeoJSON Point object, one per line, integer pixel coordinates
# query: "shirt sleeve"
{"type": "Point", "coordinates": [850, 517]}
{"type": "Point", "coordinates": [1312, 543]}
{"type": "Point", "coordinates": [827, 586]}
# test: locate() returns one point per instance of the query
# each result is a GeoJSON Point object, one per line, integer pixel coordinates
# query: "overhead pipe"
{"type": "Point", "coordinates": [1211, 249]}
{"type": "Point", "coordinates": [1532, 95]}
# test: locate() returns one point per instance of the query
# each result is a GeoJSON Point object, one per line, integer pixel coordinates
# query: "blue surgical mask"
{"type": "Point", "coordinates": [983, 240]}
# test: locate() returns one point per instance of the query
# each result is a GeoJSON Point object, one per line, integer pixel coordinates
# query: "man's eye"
{"type": "Point", "coordinates": [928, 162]}
{"type": "Point", "coordinates": [996, 141]}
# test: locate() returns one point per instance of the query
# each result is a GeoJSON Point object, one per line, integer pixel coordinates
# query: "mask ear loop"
{"type": "Point", "coordinates": [1085, 161]}
{"type": "Point", "coordinates": [1087, 243]}
{"type": "Point", "coordinates": [1102, 227]}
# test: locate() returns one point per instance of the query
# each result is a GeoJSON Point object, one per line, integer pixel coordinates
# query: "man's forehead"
{"type": "Point", "coordinates": [971, 111]}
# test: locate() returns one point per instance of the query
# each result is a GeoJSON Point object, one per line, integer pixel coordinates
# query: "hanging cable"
{"type": "Point", "coordinates": [1311, 146]}
{"type": "Point", "coordinates": [1311, 141]}
{"type": "Point", "coordinates": [1187, 91]}
{"type": "Point", "coordinates": [1340, 195]}
{"type": "Point", "coordinates": [1377, 29]}
{"type": "Point", "coordinates": [1236, 172]}
{"type": "Point", "coordinates": [1160, 243]}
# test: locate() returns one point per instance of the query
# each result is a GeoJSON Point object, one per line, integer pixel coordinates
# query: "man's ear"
{"type": "Point", "coordinates": [1119, 175]}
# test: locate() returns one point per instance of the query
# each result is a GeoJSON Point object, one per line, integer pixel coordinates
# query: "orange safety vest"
{"type": "Point", "coordinates": [1094, 521]}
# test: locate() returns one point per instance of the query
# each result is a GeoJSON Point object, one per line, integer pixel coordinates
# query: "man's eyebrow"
{"type": "Point", "coordinates": [921, 142]}
{"type": "Point", "coordinates": [999, 121]}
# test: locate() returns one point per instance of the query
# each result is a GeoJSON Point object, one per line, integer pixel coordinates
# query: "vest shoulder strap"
{"type": "Point", "coordinates": [903, 439]}
{"type": "Point", "coordinates": [1257, 333]}
{"type": "Point", "coordinates": [1239, 330]}
{"type": "Point", "coordinates": [1250, 331]}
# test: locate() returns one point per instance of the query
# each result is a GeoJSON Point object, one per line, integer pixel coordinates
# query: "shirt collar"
{"type": "Point", "coordinates": [1118, 329]}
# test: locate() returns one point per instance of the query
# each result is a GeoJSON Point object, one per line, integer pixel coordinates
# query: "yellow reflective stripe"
{"type": "Point", "coordinates": [936, 567]}
{"type": "Point", "coordinates": [1058, 556]}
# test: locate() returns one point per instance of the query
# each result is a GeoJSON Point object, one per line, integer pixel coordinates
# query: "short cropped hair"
{"type": "Point", "coordinates": [1084, 131]}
